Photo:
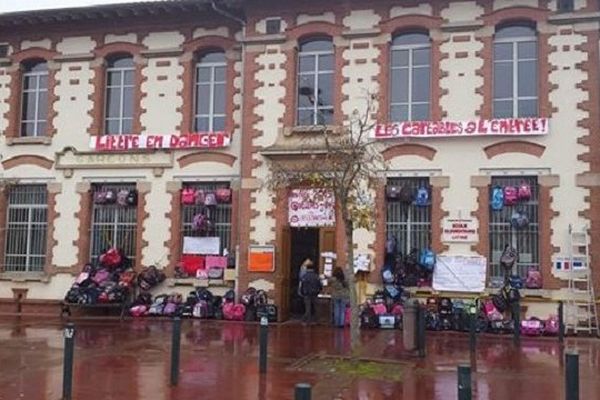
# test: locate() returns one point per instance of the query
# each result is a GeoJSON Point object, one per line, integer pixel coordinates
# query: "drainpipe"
{"type": "Point", "coordinates": [242, 22]}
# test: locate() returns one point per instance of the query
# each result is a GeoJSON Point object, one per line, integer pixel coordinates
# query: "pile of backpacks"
{"type": "Point", "coordinates": [206, 200]}
{"type": "Point", "coordinates": [382, 311]}
{"type": "Point", "coordinates": [111, 281]}
{"type": "Point", "coordinates": [408, 196]}
{"type": "Point", "coordinates": [122, 197]}
{"type": "Point", "coordinates": [515, 197]}
{"type": "Point", "coordinates": [410, 270]}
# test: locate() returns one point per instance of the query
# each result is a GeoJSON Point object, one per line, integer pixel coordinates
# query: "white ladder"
{"type": "Point", "coordinates": [582, 313]}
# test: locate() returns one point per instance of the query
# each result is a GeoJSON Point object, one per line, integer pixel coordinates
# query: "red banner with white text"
{"type": "Point", "coordinates": [201, 140]}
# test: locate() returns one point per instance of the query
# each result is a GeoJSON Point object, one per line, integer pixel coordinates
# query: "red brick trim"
{"type": "Point", "coordinates": [29, 159]}
{"type": "Point", "coordinates": [206, 156]}
{"type": "Point", "coordinates": [51, 242]}
{"type": "Point", "coordinates": [3, 207]}
{"type": "Point", "coordinates": [195, 46]}
{"type": "Point", "coordinates": [98, 96]}
{"type": "Point", "coordinates": [482, 214]}
{"type": "Point", "coordinates": [410, 22]}
{"type": "Point", "coordinates": [437, 215]}
{"type": "Point", "coordinates": [514, 146]}
{"type": "Point", "coordinates": [173, 243]}
{"type": "Point", "coordinates": [515, 14]}
{"type": "Point", "coordinates": [411, 149]}
{"type": "Point", "coordinates": [378, 246]}
{"type": "Point", "coordinates": [546, 249]}
{"type": "Point", "coordinates": [32, 53]}
{"type": "Point", "coordinates": [312, 30]}
{"type": "Point", "coordinates": [84, 217]}
{"type": "Point", "coordinates": [142, 215]}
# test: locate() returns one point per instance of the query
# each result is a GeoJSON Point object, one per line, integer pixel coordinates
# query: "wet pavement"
{"type": "Point", "coordinates": [219, 360]}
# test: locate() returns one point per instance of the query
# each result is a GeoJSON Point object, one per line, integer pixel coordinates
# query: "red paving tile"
{"type": "Point", "coordinates": [219, 360]}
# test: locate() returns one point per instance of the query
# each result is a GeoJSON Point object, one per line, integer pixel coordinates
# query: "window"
{"type": "Point", "coordinates": [26, 227]}
{"type": "Point", "coordinates": [210, 93]}
{"type": "Point", "coordinates": [119, 96]}
{"type": "Point", "coordinates": [410, 224]}
{"type": "Point", "coordinates": [113, 224]}
{"type": "Point", "coordinates": [219, 215]}
{"type": "Point", "coordinates": [315, 82]}
{"type": "Point", "coordinates": [501, 233]}
{"type": "Point", "coordinates": [410, 78]}
{"type": "Point", "coordinates": [515, 72]}
{"type": "Point", "coordinates": [273, 26]}
{"type": "Point", "coordinates": [34, 110]}
{"type": "Point", "coordinates": [565, 5]}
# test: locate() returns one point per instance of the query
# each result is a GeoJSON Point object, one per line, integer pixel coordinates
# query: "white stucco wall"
{"type": "Point", "coordinates": [162, 104]}
{"type": "Point", "coordinates": [307, 18]}
{"type": "Point", "coordinates": [462, 11]}
{"type": "Point", "coordinates": [421, 9]}
{"type": "Point", "coordinates": [76, 45]}
{"type": "Point", "coordinates": [362, 19]}
{"type": "Point", "coordinates": [163, 40]}
{"type": "Point", "coordinates": [127, 38]}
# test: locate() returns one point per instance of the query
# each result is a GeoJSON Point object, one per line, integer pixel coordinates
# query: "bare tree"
{"type": "Point", "coordinates": [348, 162]}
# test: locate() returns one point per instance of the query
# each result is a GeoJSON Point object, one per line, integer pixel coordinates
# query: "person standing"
{"type": "Point", "coordinates": [310, 287]}
{"type": "Point", "coordinates": [340, 295]}
{"type": "Point", "coordinates": [307, 263]}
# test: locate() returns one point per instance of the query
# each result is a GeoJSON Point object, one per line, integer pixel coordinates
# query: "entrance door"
{"type": "Point", "coordinates": [304, 243]}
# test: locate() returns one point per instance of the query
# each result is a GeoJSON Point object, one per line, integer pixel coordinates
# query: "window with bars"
{"type": "Point", "coordinates": [501, 232]}
{"type": "Point", "coordinates": [315, 82]}
{"type": "Point", "coordinates": [410, 71]}
{"type": "Point", "coordinates": [119, 95]}
{"type": "Point", "coordinates": [210, 99]}
{"type": "Point", "coordinates": [410, 224]}
{"type": "Point", "coordinates": [515, 72]}
{"type": "Point", "coordinates": [34, 107]}
{"type": "Point", "coordinates": [220, 215]}
{"type": "Point", "coordinates": [26, 227]}
{"type": "Point", "coordinates": [113, 224]}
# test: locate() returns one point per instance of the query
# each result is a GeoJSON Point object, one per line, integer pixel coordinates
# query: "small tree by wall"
{"type": "Point", "coordinates": [347, 162]}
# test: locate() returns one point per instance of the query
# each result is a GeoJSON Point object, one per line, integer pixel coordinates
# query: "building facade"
{"type": "Point", "coordinates": [468, 96]}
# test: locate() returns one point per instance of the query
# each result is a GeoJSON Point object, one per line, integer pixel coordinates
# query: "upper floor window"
{"type": "Point", "coordinates": [119, 95]}
{"type": "Point", "coordinates": [315, 82]}
{"type": "Point", "coordinates": [209, 114]}
{"type": "Point", "coordinates": [34, 110]}
{"type": "Point", "coordinates": [515, 72]}
{"type": "Point", "coordinates": [410, 77]}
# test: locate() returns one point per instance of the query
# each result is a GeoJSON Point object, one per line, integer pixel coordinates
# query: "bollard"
{"type": "Point", "coordinates": [472, 335]}
{"type": "Point", "coordinates": [464, 382]}
{"type": "Point", "coordinates": [175, 349]}
{"type": "Point", "coordinates": [69, 334]}
{"type": "Point", "coordinates": [572, 376]}
{"type": "Point", "coordinates": [516, 311]}
{"type": "Point", "coordinates": [263, 343]}
{"type": "Point", "coordinates": [302, 391]}
{"type": "Point", "coordinates": [421, 331]}
{"type": "Point", "coordinates": [561, 322]}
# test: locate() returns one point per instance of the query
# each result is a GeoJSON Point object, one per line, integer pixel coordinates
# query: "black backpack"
{"type": "Point", "coordinates": [368, 319]}
{"type": "Point", "coordinates": [499, 302]}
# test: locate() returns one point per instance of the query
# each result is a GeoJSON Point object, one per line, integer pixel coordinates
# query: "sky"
{"type": "Point", "coordinates": [23, 5]}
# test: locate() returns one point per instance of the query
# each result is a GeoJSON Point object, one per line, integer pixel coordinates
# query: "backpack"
{"type": "Point", "coordinates": [497, 202]}
{"type": "Point", "coordinates": [201, 309]}
{"type": "Point", "coordinates": [491, 312]}
{"type": "Point", "coordinates": [532, 327]}
{"type": "Point", "coordinates": [201, 222]}
{"type": "Point", "coordinates": [511, 294]}
{"type": "Point", "coordinates": [534, 279]}
{"type": "Point", "coordinates": [223, 195]}
{"type": "Point", "coordinates": [368, 319]}
{"type": "Point", "coordinates": [260, 299]}
{"type": "Point", "coordinates": [111, 258]}
{"type": "Point", "coordinates": [122, 197]}
{"type": "Point", "coordinates": [392, 292]}
{"type": "Point", "coordinates": [499, 302]}
{"type": "Point", "coordinates": [511, 196]}
{"type": "Point", "coordinates": [101, 276]}
{"type": "Point", "coordinates": [150, 277]}
{"type": "Point", "coordinates": [234, 312]}
{"type": "Point", "coordinates": [552, 325]}
{"type": "Point", "coordinates": [516, 282]}
{"type": "Point", "coordinates": [198, 197]}
{"type": "Point", "coordinates": [387, 274]}
{"type": "Point", "coordinates": [391, 245]}
{"type": "Point", "coordinates": [267, 310]}
{"type": "Point", "coordinates": [188, 197]}
{"type": "Point", "coordinates": [229, 296]}
{"type": "Point", "coordinates": [519, 220]}
{"type": "Point", "coordinates": [132, 198]}
{"type": "Point", "coordinates": [406, 195]}
{"type": "Point", "coordinates": [509, 257]}
{"type": "Point", "coordinates": [379, 308]}
{"type": "Point", "coordinates": [524, 191]}
{"type": "Point", "coordinates": [422, 197]}
{"type": "Point", "coordinates": [158, 305]}
{"type": "Point", "coordinates": [215, 273]}
{"type": "Point", "coordinates": [248, 297]}
{"type": "Point", "coordinates": [427, 259]}
{"type": "Point", "coordinates": [210, 199]}
{"type": "Point", "coordinates": [392, 192]}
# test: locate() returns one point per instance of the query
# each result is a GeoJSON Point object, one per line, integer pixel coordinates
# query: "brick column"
{"type": "Point", "coordinates": [53, 189]}
{"type": "Point", "coordinates": [481, 183]}
{"type": "Point", "coordinates": [438, 184]}
{"type": "Point", "coordinates": [546, 214]}
{"type": "Point", "coordinates": [378, 246]}
{"type": "Point", "coordinates": [173, 242]}
{"type": "Point", "coordinates": [143, 188]}
{"type": "Point", "coordinates": [84, 216]}
{"type": "Point", "coordinates": [3, 206]}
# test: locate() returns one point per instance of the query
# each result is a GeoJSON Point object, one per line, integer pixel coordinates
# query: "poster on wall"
{"type": "Point", "coordinates": [460, 274]}
{"type": "Point", "coordinates": [198, 140]}
{"type": "Point", "coordinates": [261, 259]}
{"type": "Point", "coordinates": [201, 245]}
{"type": "Point", "coordinates": [312, 207]}
{"type": "Point", "coordinates": [459, 230]}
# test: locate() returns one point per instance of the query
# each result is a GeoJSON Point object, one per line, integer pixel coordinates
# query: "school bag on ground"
{"type": "Point", "coordinates": [532, 327]}
{"type": "Point", "coordinates": [368, 319]}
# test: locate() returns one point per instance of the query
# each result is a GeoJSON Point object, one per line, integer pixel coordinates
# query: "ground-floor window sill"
{"type": "Point", "coordinates": [24, 277]}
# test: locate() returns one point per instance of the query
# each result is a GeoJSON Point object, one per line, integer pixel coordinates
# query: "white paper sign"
{"type": "Point", "coordinates": [201, 245]}
{"type": "Point", "coordinates": [459, 230]}
{"type": "Point", "coordinates": [362, 262]}
{"type": "Point", "coordinates": [311, 207]}
{"type": "Point", "coordinates": [460, 273]}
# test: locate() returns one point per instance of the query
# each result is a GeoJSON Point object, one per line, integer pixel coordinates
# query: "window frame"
{"type": "Point", "coordinates": [315, 73]}
{"type": "Point", "coordinates": [212, 66]}
{"type": "Point", "coordinates": [30, 226]}
{"type": "Point", "coordinates": [410, 67]}
{"type": "Point", "coordinates": [37, 92]}
{"type": "Point", "coordinates": [107, 87]}
{"type": "Point", "coordinates": [514, 41]}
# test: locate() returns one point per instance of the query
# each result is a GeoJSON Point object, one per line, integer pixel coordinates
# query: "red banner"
{"type": "Point", "coordinates": [483, 127]}
{"type": "Point", "coordinates": [198, 140]}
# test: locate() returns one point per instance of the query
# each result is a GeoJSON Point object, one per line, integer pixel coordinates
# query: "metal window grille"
{"type": "Point", "coordinates": [219, 215]}
{"type": "Point", "coordinates": [410, 224]}
{"type": "Point", "coordinates": [34, 101]}
{"type": "Point", "coordinates": [501, 233]}
{"type": "Point", "coordinates": [119, 118]}
{"type": "Point", "coordinates": [26, 227]}
{"type": "Point", "coordinates": [210, 88]}
{"type": "Point", "coordinates": [113, 225]}
{"type": "Point", "coordinates": [319, 78]}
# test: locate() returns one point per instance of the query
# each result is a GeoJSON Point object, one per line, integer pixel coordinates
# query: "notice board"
{"type": "Point", "coordinates": [460, 273]}
{"type": "Point", "coordinates": [261, 259]}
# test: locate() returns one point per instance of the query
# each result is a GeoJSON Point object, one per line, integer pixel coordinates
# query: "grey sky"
{"type": "Point", "coordinates": [23, 5]}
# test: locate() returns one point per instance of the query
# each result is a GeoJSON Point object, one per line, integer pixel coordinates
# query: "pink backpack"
{"type": "Point", "coordinates": [524, 192]}
{"type": "Point", "coordinates": [188, 197]}
{"type": "Point", "coordinates": [534, 279]}
{"type": "Point", "coordinates": [511, 196]}
{"type": "Point", "coordinates": [138, 311]}
{"type": "Point", "coordinates": [101, 276]}
{"type": "Point", "coordinates": [551, 326]}
{"type": "Point", "coordinates": [397, 310]}
{"type": "Point", "coordinates": [379, 308]}
{"type": "Point", "coordinates": [532, 327]}
{"type": "Point", "coordinates": [491, 312]}
{"type": "Point", "coordinates": [234, 312]}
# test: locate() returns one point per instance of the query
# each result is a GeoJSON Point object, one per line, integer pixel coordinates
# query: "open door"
{"type": "Point", "coordinates": [284, 263]}
{"type": "Point", "coordinates": [326, 243]}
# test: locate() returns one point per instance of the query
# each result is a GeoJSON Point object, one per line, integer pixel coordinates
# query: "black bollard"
{"type": "Point", "coordinates": [472, 333]}
{"type": "Point", "coordinates": [572, 376]}
{"type": "Point", "coordinates": [262, 345]}
{"type": "Point", "coordinates": [175, 349]}
{"type": "Point", "coordinates": [561, 322]}
{"type": "Point", "coordinates": [516, 311]}
{"type": "Point", "coordinates": [421, 331]}
{"type": "Point", "coordinates": [69, 334]}
{"type": "Point", "coordinates": [302, 391]}
{"type": "Point", "coordinates": [464, 382]}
